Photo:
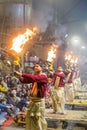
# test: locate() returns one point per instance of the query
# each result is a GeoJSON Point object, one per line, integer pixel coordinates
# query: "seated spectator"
{"type": "Point", "coordinates": [10, 108]}
{"type": "Point", "coordinates": [23, 103]}
{"type": "Point", "coordinates": [12, 99]}
{"type": "Point", "coordinates": [4, 107]}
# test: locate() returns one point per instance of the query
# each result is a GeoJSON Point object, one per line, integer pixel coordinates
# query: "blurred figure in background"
{"type": "Point", "coordinates": [69, 86]}
{"type": "Point", "coordinates": [58, 97]}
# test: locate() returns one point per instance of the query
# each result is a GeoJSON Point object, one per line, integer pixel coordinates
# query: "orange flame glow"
{"type": "Point", "coordinates": [71, 58]}
{"type": "Point", "coordinates": [68, 56]}
{"type": "Point", "coordinates": [20, 40]}
{"type": "Point", "coordinates": [51, 55]}
{"type": "Point", "coordinates": [76, 60]}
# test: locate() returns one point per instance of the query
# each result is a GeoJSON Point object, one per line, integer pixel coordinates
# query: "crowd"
{"type": "Point", "coordinates": [15, 96]}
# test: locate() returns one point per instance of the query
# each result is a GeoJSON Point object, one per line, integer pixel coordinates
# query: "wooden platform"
{"type": "Point", "coordinates": [81, 95]}
{"type": "Point", "coordinates": [77, 120]}
{"type": "Point", "coordinates": [79, 102]}
{"type": "Point", "coordinates": [74, 118]}
{"type": "Point", "coordinates": [82, 90]}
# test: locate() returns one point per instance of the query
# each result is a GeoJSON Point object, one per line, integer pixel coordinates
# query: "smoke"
{"type": "Point", "coordinates": [46, 12]}
{"type": "Point", "coordinates": [42, 15]}
{"type": "Point", "coordinates": [60, 33]}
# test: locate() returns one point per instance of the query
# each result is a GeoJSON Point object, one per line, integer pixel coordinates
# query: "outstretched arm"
{"type": "Point", "coordinates": [30, 78]}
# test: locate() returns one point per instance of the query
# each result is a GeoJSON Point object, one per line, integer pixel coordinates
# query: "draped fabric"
{"type": "Point", "coordinates": [58, 99]}
{"type": "Point", "coordinates": [69, 92]}
{"type": "Point", "coordinates": [34, 89]}
{"type": "Point", "coordinates": [35, 119]}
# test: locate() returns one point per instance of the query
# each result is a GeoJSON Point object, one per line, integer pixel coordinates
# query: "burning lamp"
{"type": "Point", "coordinates": [51, 56]}
{"type": "Point", "coordinates": [52, 53]}
{"type": "Point", "coordinates": [70, 60]}
{"type": "Point", "coordinates": [67, 60]}
{"type": "Point", "coordinates": [20, 41]}
{"type": "Point", "coordinates": [75, 61]}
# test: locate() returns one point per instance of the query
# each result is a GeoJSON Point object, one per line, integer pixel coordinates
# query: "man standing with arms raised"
{"type": "Point", "coordinates": [35, 118]}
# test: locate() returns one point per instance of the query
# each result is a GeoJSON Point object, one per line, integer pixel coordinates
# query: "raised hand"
{"type": "Point", "coordinates": [17, 74]}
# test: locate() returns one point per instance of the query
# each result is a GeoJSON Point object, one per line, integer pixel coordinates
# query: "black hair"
{"type": "Point", "coordinates": [11, 94]}
{"type": "Point", "coordinates": [37, 63]}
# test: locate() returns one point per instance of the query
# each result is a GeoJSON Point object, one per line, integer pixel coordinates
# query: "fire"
{"type": "Point", "coordinates": [68, 56]}
{"type": "Point", "coordinates": [51, 55]}
{"type": "Point", "coordinates": [76, 60]}
{"type": "Point", "coordinates": [35, 29]}
{"type": "Point", "coordinates": [21, 39]}
{"type": "Point", "coordinates": [71, 59]}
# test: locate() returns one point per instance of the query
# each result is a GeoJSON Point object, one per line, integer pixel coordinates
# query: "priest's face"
{"type": "Point", "coordinates": [37, 68]}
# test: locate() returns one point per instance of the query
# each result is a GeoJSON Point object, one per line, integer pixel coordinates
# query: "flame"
{"type": "Point", "coordinates": [76, 60]}
{"type": "Point", "coordinates": [72, 61]}
{"type": "Point", "coordinates": [35, 29]}
{"type": "Point", "coordinates": [68, 56]}
{"type": "Point", "coordinates": [21, 39]}
{"type": "Point", "coordinates": [51, 55]}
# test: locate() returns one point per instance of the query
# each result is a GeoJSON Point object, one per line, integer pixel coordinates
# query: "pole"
{"type": "Point", "coordinates": [22, 57]}
{"type": "Point", "coordinates": [24, 13]}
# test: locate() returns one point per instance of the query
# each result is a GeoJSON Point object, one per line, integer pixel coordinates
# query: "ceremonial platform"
{"type": "Point", "coordinates": [81, 94]}
{"type": "Point", "coordinates": [77, 104]}
{"type": "Point", "coordinates": [71, 120]}
{"type": "Point", "coordinates": [74, 119]}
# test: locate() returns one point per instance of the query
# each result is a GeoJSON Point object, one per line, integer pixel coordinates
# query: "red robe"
{"type": "Point", "coordinates": [61, 75]}
{"type": "Point", "coordinates": [41, 81]}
